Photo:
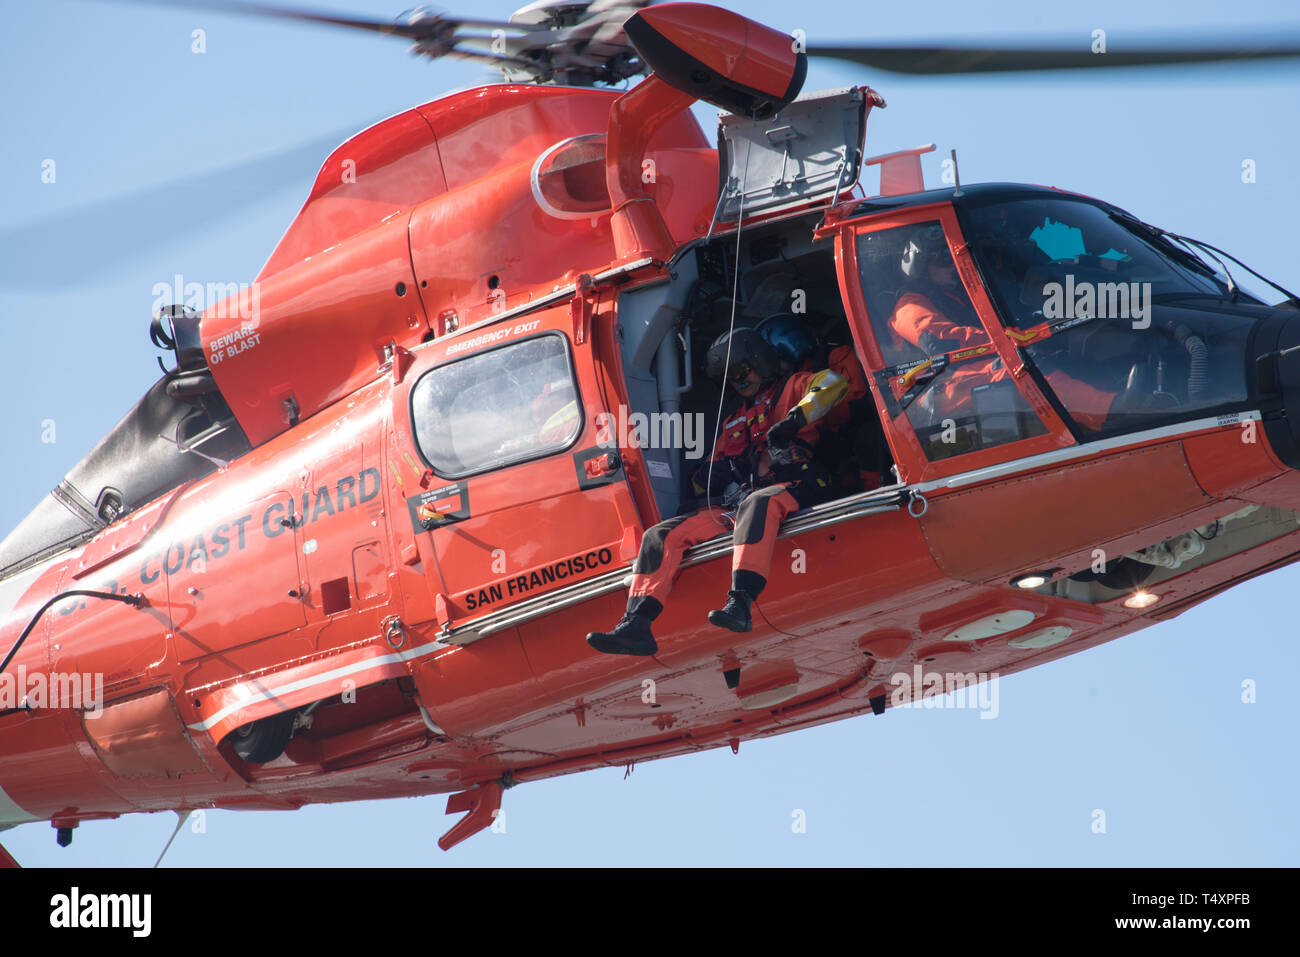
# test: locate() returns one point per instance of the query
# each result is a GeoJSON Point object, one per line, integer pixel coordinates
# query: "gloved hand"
{"type": "Point", "coordinates": [782, 457]}
{"type": "Point", "coordinates": [783, 432]}
{"type": "Point", "coordinates": [932, 345]}
{"type": "Point", "coordinates": [725, 471]}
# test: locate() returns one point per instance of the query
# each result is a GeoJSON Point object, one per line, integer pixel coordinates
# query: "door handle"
{"type": "Point", "coordinates": [597, 466]}
{"type": "Point", "coordinates": [603, 464]}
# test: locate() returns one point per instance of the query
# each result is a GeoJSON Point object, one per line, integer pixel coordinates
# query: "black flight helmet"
{"type": "Point", "coordinates": [738, 351]}
{"type": "Point", "coordinates": [925, 246]}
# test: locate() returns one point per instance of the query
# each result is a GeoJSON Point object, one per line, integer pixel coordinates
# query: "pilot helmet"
{"type": "Point", "coordinates": [926, 246]}
{"type": "Point", "coordinates": [740, 347]}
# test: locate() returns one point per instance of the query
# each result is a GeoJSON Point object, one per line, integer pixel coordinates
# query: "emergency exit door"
{"type": "Point", "coordinates": [518, 498]}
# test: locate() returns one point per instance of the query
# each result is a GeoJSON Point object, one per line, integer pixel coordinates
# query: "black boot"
{"type": "Point", "coordinates": [631, 636]}
{"type": "Point", "coordinates": [734, 616]}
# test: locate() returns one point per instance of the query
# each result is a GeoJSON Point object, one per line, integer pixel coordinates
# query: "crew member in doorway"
{"type": "Point", "coordinates": [763, 460]}
{"type": "Point", "coordinates": [851, 436]}
{"type": "Point", "coordinates": [798, 350]}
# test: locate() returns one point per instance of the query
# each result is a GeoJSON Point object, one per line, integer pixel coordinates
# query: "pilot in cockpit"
{"type": "Point", "coordinates": [935, 315]}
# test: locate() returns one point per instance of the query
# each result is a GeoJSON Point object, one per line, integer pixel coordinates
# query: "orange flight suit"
{"type": "Point", "coordinates": [744, 435]}
{"type": "Point", "coordinates": [915, 314]}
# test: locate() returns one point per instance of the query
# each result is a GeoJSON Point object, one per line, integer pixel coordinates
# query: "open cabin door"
{"type": "Point", "coordinates": [810, 151]}
{"type": "Point", "coordinates": [516, 497]}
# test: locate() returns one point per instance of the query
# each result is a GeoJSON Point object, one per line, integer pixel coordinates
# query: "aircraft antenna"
{"type": "Point", "coordinates": [181, 818]}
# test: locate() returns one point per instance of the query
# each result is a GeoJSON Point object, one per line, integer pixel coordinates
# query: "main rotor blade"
{"type": "Point", "coordinates": [418, 24]}
{"type": "Point", "coordinates": [89, 240]}
{"type": "Point", "coordinates": [944, 60]}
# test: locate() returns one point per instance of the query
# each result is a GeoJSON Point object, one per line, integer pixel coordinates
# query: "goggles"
{"type": "Point", "coordinates": [739, 372]}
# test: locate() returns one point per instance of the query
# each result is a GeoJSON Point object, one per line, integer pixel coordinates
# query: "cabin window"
{"type": "Point", "coordinates": [497, 408]}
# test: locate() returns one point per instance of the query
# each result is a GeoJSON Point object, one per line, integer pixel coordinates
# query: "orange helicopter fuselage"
{"type": "Point", "coordinates": [427, 628]}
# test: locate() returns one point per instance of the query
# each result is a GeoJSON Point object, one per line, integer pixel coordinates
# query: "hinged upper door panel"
{"type": "Point", "coordinates": [809, 151]}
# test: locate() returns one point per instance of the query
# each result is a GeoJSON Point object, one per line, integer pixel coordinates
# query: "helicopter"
{"type": "Point", "coordinates": [480, 326]}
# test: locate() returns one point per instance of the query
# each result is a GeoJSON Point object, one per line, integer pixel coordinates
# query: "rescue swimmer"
{"type": "Point", "coordinates": [763, 465]}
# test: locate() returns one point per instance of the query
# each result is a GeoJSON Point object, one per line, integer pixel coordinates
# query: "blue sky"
{"type": "Point", "coordinates": [1150, 729]}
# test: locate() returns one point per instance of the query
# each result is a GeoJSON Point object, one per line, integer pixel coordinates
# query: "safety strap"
{"type": "Point", "coordinates": [914, 377]}
{"type": "Point", "coordinates": [1045, 330]}
{"type": "Point", "coordinates": [919, 373]}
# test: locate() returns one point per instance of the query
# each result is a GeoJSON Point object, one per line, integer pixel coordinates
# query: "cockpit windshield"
{"type": "Point", "coordinates": [1036, 251]}
{"type": "Point", "coordinates": [1153, 326]}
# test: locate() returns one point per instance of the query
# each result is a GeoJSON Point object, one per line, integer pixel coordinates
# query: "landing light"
{"type": "Point", "coordinates": [768, 697]}
{"type": "Point", "coordinates": [1141, 599]}
{"type": "Point", "coordinates": [1032, 580]}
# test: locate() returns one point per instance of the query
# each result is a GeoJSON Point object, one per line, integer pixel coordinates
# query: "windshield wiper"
{"type": "Point", "coordinates": [1187, 247]}
{"type": "Point", "coordinates": [1192, 245]}
{"type": "Point", "coordinates": [1174, 296]}
{"type": "Point", "coordinates": [1282, 289]}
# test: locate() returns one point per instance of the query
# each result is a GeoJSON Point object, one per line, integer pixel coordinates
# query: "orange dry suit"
{"type": "Point", "coordinates": [784, 480]}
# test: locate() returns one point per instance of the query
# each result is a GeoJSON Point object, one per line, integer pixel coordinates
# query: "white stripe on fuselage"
{"type": "Point", "coordinates": [11, 813]}
{"type": "Point", "coordinates": [1087, 449]}
{"type": "Point", "coordinates": [13, 589]}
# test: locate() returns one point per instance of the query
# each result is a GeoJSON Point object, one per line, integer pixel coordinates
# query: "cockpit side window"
{"type": "Point", "coordinates": [498, 407]}
{"type": "Point", "coordinates": [941, 368]}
